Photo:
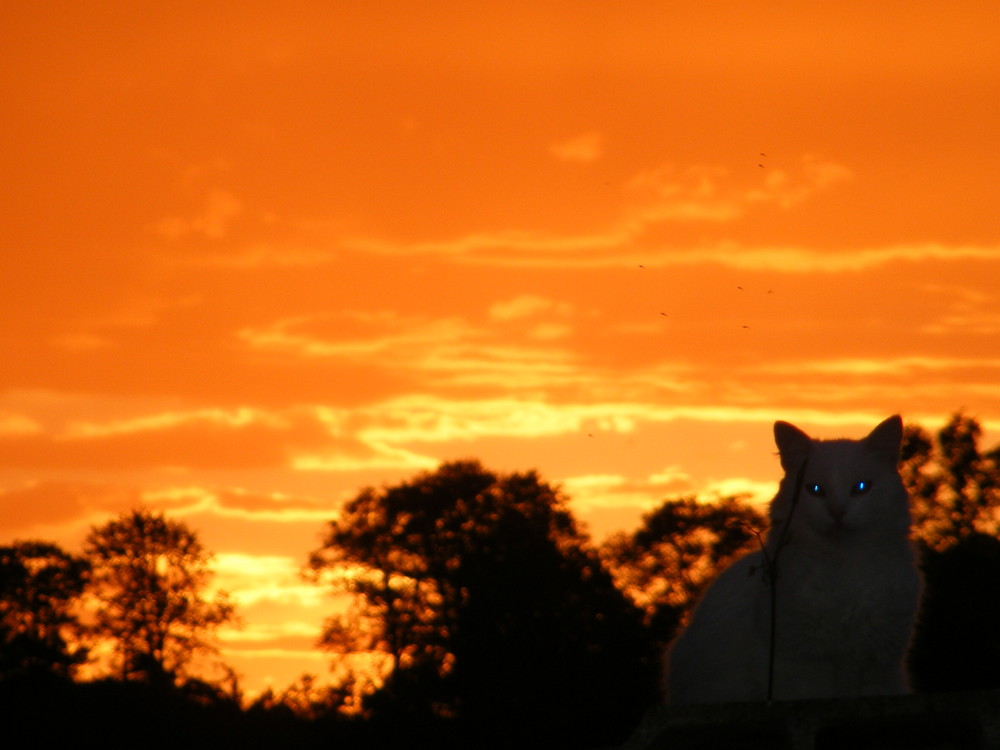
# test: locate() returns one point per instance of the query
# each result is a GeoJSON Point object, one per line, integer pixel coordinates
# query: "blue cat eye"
{"type": "Point", "coordinates": [814, 489]}
{"type": "Point", "coordinates": [861, 487]}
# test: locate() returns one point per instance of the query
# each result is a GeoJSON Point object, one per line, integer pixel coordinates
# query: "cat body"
{"type": "Point", "coordinates": [846, 587]}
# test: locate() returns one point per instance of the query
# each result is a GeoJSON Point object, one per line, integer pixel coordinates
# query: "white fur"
{"type": "Point", "coordinates": [847, 585]}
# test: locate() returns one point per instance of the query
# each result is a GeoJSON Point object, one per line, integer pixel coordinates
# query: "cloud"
{"type": "Point", "coordinates": [423, 419]}
{"type": "Point", "coordinates": [659, 196]}
{"type": "Point", "coordinates": [178, 439]}
{"type": "Point", "coordinates": [550, 331]}
{"type": "Point", "coordinates": [381, 456]}
{"type": "Point", "coordinates": [239, 504]}
{"type": "Point", "coordinates": [538, 419]}
{"type": "Point", "coordinates": [431, 419]}
{"type": "Point", "coordinates": [760, 492]}
{"type": "Point", "coordinates": [666, 195]}
{"type": "Point", "coordinates": [263, 255]}
{"type": "Point", "coordinates": [808, 260]}
{"type": "Point", "coordinates": [440, 352]}
{"type": "Point", "coordinates": [724, 254]}
{"type": "Point", "coordinates": [268, 579]}
{"type": "Point", "coordinates": [585, 148]}
{"type": "Point", "coordinates": [711, 193]}
{"type": "Point", "coordinates": [18, 424]}
{"type": "Point", "coordinates": [353, 334]}
{"type": "Point", "coordinates": [236, 418]}
{"type": "Point", "coordinates": [975, 323]}
{"type": "Point", "coordinates": [220, 208]}
{"type": "Point", "coordinates": [526, 306]}
{"type": "Point", "coordinates": [787, 190]}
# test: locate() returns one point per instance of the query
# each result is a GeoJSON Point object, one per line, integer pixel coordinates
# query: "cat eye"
{"type": "Point", "coordinates": [861, 487]}
{"type": "Point", "coordinates": [816, 490]}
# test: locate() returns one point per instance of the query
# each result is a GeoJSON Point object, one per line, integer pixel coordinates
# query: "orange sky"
{"type": "Point", "coordinates": [255, 258]}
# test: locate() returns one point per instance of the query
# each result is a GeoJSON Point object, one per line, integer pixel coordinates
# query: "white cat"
{"type": "Point", "coordinates": [846, 585]}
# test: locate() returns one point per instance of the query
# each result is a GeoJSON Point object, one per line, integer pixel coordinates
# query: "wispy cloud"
{"type": "Point", "coordinates": [18, 424]}
{"type": "Point", "coordinates": [897, 366]}
{"type": "Point", "coordinates": [252, 579]}
{"type": "Point", "coordinates": [985, 323]}
{"type": "Point", "coordinates": [236, 503]}
{"type": "Point", "coordinates": [442, 351]}
{"type": "Point", "coordinates": [601, 493]}
{"type": "Point", "coordinates": [657, 197]}
{"type": "Point", "coordinates": [420, 419]}
{"type": "Point", "coordinates": [354, 334]}
{"type": "Point", "coordinates": [807, 260]}
{"type": "Point", "coordinates": [724, 254]}
{"type": "Point", "coordinates": [219, 210]}
{"type": "Point", "coordinates": [263, 255]}
{"type": "Point", "coordinates": [380, 455]}
{"type": "Point", "coordinates": [585, 148]}
{"type": "Point", "coordinates": [527, 305]}
{"type": "Point", "coordinates": [240, 417]}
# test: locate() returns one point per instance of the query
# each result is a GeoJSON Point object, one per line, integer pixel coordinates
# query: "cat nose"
{"type": "Point", "coordinates": [837, 511]}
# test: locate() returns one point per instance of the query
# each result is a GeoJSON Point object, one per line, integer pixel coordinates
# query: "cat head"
{"type": "Point", "coordinates": [844, 486]}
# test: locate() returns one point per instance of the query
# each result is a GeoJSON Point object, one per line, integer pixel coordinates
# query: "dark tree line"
{"type": "Point", "coordinates": [39, 631]}
{"type": "Point", "coordinates": [955, 488]}
{"type": "Point", "coordinates": [487, 613]}
{"type": "Point", "coordinates": [491, 608]}
{"type": "Point", "coordinates": [149, 578]}
{"type": "Point", "coordinates": [138, 590]}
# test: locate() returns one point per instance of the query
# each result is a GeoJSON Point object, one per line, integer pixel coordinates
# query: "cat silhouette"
{"type": "Point", "coordinates": [825, 608]}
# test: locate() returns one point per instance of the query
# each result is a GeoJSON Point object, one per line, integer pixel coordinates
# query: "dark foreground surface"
{"type": "Point", "coordinates": [932, 721]}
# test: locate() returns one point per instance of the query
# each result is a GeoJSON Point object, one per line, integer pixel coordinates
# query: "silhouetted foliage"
{"type": "Point", "coordinates": [490, 608]}
{"type": "Point", "coordinates": [149, 578]}
{"type": "Point", "coordinates": [955, 490]}
{"type": "Point", "coordinates": [306, 698]}
{"type": "Point", "coordinates": [39, 630]}
{"type": "Point", "coordinates": [954, 486]}
{"type": "Point", "coordinates": [956, 644]}
{"type": "Point", "coordinates": [679, 548]}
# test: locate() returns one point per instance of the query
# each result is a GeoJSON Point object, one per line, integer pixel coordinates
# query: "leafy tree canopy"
{"type": "Point", "coordinates": [954, 485]}
{"type": "Point", "coordinates": [39, 630]}
{"type": "Point", "coordinates": [150, 579]}
{"type": "Point", "coordinates": [488, 604]}
{"type": "Point", "coordinates": [678, 549]}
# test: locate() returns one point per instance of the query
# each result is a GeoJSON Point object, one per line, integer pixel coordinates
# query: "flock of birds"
{"type": "Point", "coordinates": [739, 288]}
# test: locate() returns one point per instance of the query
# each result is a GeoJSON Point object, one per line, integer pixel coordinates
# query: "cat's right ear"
{"type": "Point", "coordinates": [793, 445]}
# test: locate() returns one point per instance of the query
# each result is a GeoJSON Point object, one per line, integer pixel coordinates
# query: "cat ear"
{"type": "Point", "coordinates": [793, 445]}
{"type": "Point", "coordinates": [887, 438]}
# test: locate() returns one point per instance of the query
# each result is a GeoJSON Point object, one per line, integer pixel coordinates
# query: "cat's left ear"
{"type": "Point", "coordinates": [887, 438]}
{"type": "Point", "coordinates": [793, 445]}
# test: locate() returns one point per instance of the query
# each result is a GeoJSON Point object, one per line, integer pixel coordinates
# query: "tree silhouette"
{"type": "Point", "coordinates": [956, 644]}
{"type": "Point", "coordinates": [954, 486]}
{"type": "Point", "coordinates": [304, 698]}
{"type": "Point", "coordinates": [150, 576]}
{"type": "Point", "coordinates": [39, 631]}
{"type": "Point", "coordinates": [677, 551]}
{"type": "Point", "coordinates": [489, 607]}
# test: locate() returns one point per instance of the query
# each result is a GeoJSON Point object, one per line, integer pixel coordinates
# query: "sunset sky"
{"type": "Point", "coordinates": [259, 255]}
